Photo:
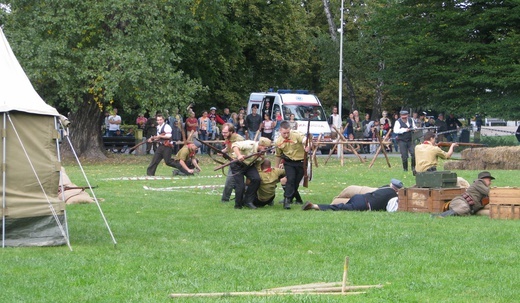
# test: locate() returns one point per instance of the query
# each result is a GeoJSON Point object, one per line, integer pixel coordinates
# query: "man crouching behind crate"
{"type": "Point", "coordinates": [473, 200]}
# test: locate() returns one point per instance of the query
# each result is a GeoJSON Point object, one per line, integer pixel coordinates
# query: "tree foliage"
{"type": "Point", "coordinates": [87, 56]}
{"type": "Point", "coordinates": [454, 56]}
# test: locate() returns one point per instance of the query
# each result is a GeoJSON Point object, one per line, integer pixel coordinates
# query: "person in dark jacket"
{"type": "Point", "coordinates": [376, 200]}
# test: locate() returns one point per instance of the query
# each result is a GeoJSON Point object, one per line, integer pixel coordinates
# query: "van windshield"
{"type": "Point", "coordinates": [302, 112]}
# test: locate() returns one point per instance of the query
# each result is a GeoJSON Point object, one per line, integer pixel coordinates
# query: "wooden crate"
{"type": "Point", "coordinates": [427, 200]}
{"type": "Point", "coordinates": [504, 203]}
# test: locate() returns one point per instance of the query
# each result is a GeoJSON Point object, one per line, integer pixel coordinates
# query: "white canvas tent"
{"type": "Point", "coordinates": [32, 214]}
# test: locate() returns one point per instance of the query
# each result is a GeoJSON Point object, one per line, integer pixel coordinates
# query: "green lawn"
{"type": "Point", "coordinates": [188, 241]}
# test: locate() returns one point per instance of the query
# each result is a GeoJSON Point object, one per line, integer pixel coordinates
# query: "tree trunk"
{"type": "Point", "coordinates": [85, 132]}
{"type": "Point", "coordinates": [330, 21]}
{"type": "Point", "coordinates": [378, 100]}
{"type": "Point", "coordinates": [351, 93]}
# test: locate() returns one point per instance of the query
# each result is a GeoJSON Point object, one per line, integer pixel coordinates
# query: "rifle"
{"type": "Point", "coordinates": [448, 144]}
{"type": "Point", "coordinates": [218, 151]}
{"type": "Point", "coordinates": [75, 187]}
{"type": "Point", "coordinates": [307, 166]}
{"type": "Point", "coordinates": [136, 146]}
{"type": "Point", "coordinates": [257, 154]}
{"type": "Point", "coordinates": [167, 143]}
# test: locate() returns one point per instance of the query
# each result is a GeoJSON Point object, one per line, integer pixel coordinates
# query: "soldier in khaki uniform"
{"type": "Point", "coordinates": [246, 167]}
{"type": "Point", "coordinates": [230, 137]}
{"type": "Point", "coordinates": [473, 200]}
{"type": "Point", "coordinates": [185, 160]}
{"type": "Point", "coordinates": [269, 178]}
{"type": "Point", "coordinates": [427, 153]}
{"type": "Point", "coordinates": [289, 154]}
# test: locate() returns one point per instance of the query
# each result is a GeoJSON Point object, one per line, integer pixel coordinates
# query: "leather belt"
{"type": "Point", "coordinates": [468, 199]}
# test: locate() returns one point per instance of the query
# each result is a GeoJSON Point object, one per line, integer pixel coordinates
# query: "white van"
{"type": "Point", "coordinates": [301, 104]}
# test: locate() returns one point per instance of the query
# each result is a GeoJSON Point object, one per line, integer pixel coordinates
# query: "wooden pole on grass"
{"type": "Point", "coordinates": [345, 276]}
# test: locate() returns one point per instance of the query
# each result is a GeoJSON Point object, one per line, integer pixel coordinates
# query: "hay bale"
{"type": "Point", "coordinates": [504, 157]}
{"type": "Point", "coordinates": [454, 165]}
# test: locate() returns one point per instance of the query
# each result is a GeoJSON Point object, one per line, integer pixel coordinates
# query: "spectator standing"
{"type": "Point", "coordinates": [241, 128]}
{"type": "Point", "coordinates": [442, 127]}
{"type": "Point", "coordinates": [349, 129]}
{"type": "Point", "coordinates": [293, 123]}
{"type": "Point", "coordinates": [335, 120]}
{"type": "Point", "coordinates": [192, 125]}
{"type": "Point", "coordinates": [279, 119]}
{"type": "Point", "coordinates": [225, 116]}
{"type": "Point", "coordinates": [218, 118]}
{"type": "Point", "coordinates": [233, 119]}
{"type": "Point", "coordinates": [267, 127]}
{"type": "Point", "coordinates": [204, 124]}
{"type": "Point", "coordinates": [141, 121]}
{"type": "Point", "coordinates": [453, 125]}
{"type": "Point", "coordinates": [376, 130]}
{"type": "Point", "coordinates": [358, 128]}
{"type": "Point", "coordinates": [253, 121]}
{"type": "Point", "coordinates": [213, 130]}
{"type": "Point", "coordinates": [114, 121]}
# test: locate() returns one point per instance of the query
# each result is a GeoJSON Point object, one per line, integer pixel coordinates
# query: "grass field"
{"type": "Point", "coordinates": [188, 241]}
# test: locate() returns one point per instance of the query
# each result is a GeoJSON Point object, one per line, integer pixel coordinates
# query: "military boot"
{"type": "Point", "coordinates": [405, 165]}
{"type": "Point", "coordinates": [287, 203]}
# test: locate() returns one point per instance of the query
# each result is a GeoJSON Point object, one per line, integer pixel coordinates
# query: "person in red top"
{"type": "Point", "coordinates": [141, 121]}
{"type": "Point", "coordinates": [192, 124]}
{"type": "Point", "coordinates": [218, 118]}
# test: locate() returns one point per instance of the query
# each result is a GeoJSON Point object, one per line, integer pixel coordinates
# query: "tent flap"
{"type": "Point", "coordinates": [35, 231]}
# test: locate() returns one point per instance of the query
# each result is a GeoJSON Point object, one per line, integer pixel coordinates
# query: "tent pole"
{"type": "Point", "coordinates": [66, 135]}
{"type": "Point", "coordinates": [4, 135]}
{"type": "Point", "coordinates": [58, 154]}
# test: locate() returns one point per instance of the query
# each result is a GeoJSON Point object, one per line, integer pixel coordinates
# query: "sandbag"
{"type": "Point", "coordinates": [350, 191]}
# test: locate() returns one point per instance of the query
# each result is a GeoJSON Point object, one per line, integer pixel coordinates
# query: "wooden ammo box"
{"type": "Point", "coordinates": [436, 179]}
{"type": "Point", "coordinates": [426, 200]}
{"type": "Point", "coordinates": [504, 203]}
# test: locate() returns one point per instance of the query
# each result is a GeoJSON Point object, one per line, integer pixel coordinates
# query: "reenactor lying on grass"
{"type": "Point", "coordinates": [473, 200]}
{"type": "Point", "coordinates": [376, 200]}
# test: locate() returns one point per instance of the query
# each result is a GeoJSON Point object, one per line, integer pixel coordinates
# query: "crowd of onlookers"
{"type": "Point", "coordinates": [206, 125]}
{"type": "Point", "coordinates": [367, 129]}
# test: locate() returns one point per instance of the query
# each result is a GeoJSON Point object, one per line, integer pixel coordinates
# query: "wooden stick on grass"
{"type": "Point", "coordinates": [345, 273]}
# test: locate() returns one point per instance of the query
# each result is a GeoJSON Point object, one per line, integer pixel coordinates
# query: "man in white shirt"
{"type": "Point", "coordinates": [335, 120]}
{"type": "Point", "coordinates": [404, 127]}
{"type": "Point", "coordinates": [164, 148]}
{"type": "Point", "coordinates": [113, 123]}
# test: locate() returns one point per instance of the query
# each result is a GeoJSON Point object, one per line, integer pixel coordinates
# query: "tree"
{"type": "Point", "coordinates": [455, 56]}
{"type": "Point", "coordinates": [88, 56]}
